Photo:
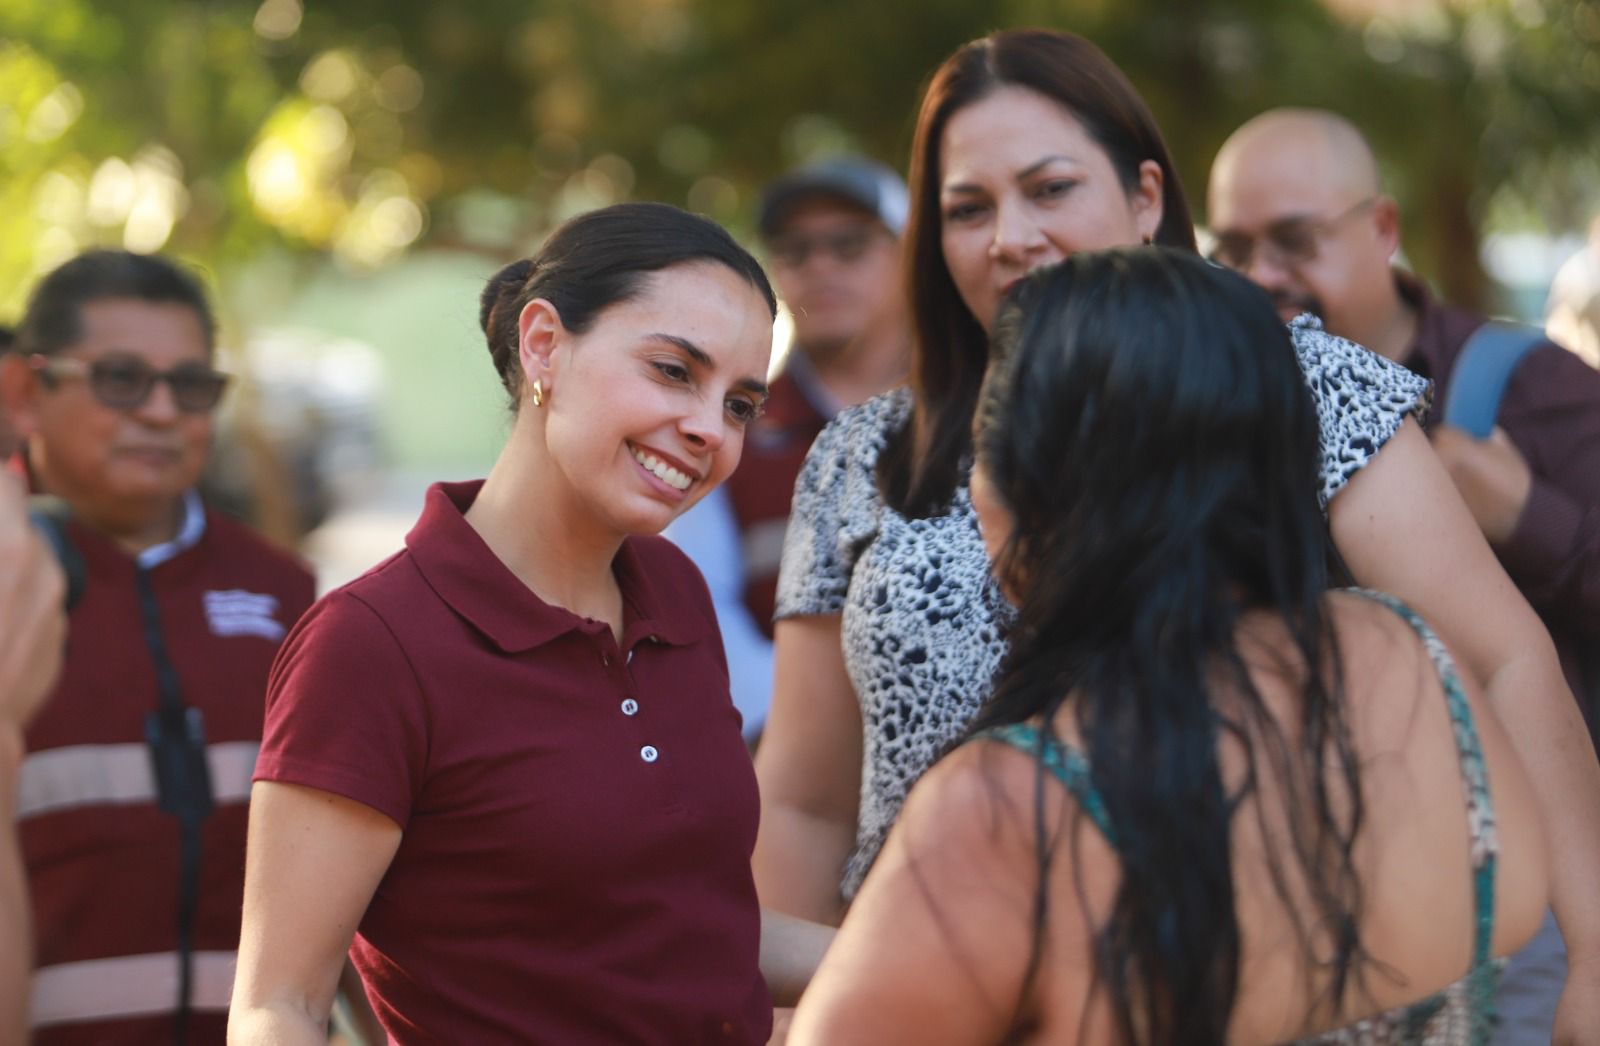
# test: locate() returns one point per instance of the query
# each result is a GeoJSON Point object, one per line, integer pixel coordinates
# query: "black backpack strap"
{"type": "Point", "coordinates": [175, 735]}
{"type": "Point", "coordinates": [1482, 373]}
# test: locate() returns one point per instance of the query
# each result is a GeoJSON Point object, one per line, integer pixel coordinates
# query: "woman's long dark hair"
{"type": "Point", "coordinates": [1147, 425]}
{"type": "Point", "coordinates": [920, 470]}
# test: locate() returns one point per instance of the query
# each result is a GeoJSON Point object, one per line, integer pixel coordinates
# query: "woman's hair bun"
{"type": "Point", "coordinates": [506, 283]}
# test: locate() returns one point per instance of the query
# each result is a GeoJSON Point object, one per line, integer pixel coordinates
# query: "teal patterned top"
{"type": "Point", "coordinates": [1462, 1014]}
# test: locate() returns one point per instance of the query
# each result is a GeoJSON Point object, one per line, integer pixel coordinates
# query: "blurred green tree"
{"type": "Point", "coordinates": [231, 129]}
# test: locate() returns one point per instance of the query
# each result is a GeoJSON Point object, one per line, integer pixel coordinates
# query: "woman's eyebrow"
{"type": "Point", "coordinates": [703, 358]}
{"type": "Point", "coordinates": [1041, 164]}
{"type": "Point", "coordinates": [1022, 175]}
{"type": "Point", "coordinates": [696, 353]}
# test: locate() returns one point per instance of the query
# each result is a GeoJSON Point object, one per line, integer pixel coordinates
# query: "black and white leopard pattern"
{"type": "Point", "coordinates": [923, 623]}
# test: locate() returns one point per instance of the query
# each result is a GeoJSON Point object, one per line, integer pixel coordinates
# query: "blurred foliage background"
{"type": "Point", "coordinates": [288, 147]}
{"type": "Point", "coordinates": [227, 128]}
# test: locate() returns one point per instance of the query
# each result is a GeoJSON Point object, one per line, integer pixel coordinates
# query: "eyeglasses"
{"type": "Point", "coordinates": [124, 383]}
{"type": "Point", "coordinates": [844, 246]}
{"type": "Point", "coordinates": [1286, 243]}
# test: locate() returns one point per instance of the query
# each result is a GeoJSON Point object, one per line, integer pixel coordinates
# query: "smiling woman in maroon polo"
{"type": "Point", "coordinates": [505, 761]}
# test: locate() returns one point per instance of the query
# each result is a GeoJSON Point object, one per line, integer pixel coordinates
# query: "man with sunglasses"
{"type": "Point", "coordinates": [1295, 204]}
{"type": "Point", "coordinates": [131, 797]}
{"type": "Point", "coordinates": [832, 236]}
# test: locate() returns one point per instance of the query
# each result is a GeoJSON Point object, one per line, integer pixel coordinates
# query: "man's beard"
{"type": "Point", "coordinates": [1292, 305]}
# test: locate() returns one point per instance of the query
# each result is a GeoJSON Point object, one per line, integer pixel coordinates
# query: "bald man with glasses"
{"type": "Point", "coordinates": [1296, 204]}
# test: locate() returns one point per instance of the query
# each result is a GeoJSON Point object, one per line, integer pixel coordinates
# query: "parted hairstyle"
{"type": "Point", "coordinates": [599, 259]}
{"type": "Point", "coordinates": [1147, 425]}
{"type": "Point", "coordinates": [54, 319]}
{"type": "Point", "coordinates": [919, 470]}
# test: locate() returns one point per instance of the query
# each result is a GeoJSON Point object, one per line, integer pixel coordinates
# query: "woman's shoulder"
{"type": "Point", "coordinates": [1361, 398]}
{"type": "Point", "coordinates": [838, 485]}
{"type": "Point", "coordinates": [357, 617]}
{"type": "Point", "coordinates": [977, 795]}
{"type": "Point", "coordinates": [859, 433]}
{"type": "Point", "coordinates": [1345, 375]}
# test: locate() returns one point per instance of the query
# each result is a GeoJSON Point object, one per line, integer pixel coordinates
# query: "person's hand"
{"type": "Point", "coordinates": [1491, 474]}
{"type": "Point", "coordinates": [33, 622]}
{"type": "Point", "coordinates": [1578, 1014]}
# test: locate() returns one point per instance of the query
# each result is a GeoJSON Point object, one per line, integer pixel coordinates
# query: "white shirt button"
{"type": "Point", "coordinates": [649, 754]}
{"type": "Point", "coordinates": [630, 707]}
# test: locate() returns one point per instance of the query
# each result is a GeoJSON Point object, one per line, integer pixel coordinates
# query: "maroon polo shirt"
{"type": "Point", "coordinates": [1551, 413]}
{"type": "Point", "coordinates": [578, 816]}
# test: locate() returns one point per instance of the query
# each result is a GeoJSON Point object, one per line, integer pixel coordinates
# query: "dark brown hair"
{"type": "Point", "coordinates": [600, 259]}
{"type": "Point", "coordinates": [54, 320]}
{"type": "Point", "coordinates": [919, 470]}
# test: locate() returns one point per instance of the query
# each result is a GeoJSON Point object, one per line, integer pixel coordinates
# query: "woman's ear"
{"type": "Point", "coordinates": [539, 332]}
{"type": "Point", "coordinates": [1145, 200]}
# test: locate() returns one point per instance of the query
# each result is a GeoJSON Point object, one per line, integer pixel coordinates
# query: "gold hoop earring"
{"type": "Point", "coordinates": [1149, 240]}
{"type": "Point", "coordinates": [538, 393]}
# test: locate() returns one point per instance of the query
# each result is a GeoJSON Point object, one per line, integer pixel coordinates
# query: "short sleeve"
{"type": "Point", "coordinates": [1362, 400]}
{"type": "Point", "coordinates": [345, 713]}
{"type": "Point", "coordinates": [836, 506]}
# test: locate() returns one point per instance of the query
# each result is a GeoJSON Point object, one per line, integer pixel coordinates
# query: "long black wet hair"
{"type": "Point", "coordinates": [1147, 425]}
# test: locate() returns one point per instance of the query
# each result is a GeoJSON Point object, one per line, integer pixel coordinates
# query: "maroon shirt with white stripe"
{"type": "Point", "coordinates": [102, 860]}
{"type": "Point", "coordinates": [578, 815]}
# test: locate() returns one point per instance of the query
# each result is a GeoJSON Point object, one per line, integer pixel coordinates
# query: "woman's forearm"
{"type": "Point", "coordinates": [790, 951]}
{"type": "Point", "coordinates": [809, 769]}
{"type": "Point", "coordinates": [798, 861]}
{"type": "Point", "coordinates": [1533, 701]}
{"type": "Point", "coordinates": [281, 1024]}
{"type": "Point", "coordinates": [1402, 528]}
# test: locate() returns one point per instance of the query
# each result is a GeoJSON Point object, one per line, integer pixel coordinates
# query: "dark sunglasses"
{"type": "Point", "coordinates": [125, 384]}
{"type": "Point", "coordinates": [844, 246]}
{"type": "Point", "coordinates": [1287, 244]}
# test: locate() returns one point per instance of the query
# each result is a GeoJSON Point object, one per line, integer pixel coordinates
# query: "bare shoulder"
{"type": "Point", "coordinates": [980, 819]}
{"type": "Point", "coordinates": [948, 913]}
{"type": "Point", "coordinates": [981, 798]}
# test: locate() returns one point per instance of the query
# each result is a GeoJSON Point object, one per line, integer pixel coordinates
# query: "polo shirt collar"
{"type": "Point", "coordinates": [190, 531]}
{"type": "Point", "coordinates": [467, 575]}
{"type": "Point", "coordinates": [651, 611]}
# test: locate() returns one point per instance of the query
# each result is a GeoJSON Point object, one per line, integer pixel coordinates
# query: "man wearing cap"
{"type": "Point", "coordinates": [1295, 204]}
{"type": "Point", "coordinates": [832, 234]}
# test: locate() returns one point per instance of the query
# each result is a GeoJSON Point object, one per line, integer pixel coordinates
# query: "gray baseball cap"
{"type": "Point", "coordinates": [866, 183]}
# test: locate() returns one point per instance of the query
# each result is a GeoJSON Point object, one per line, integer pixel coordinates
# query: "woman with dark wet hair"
{"type": "Point", "coordinates": [1030, 146]}
{"type": "Point", "coordinates": [1209, 801]}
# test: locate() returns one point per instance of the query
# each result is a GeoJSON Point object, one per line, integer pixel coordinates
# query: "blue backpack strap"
{"type": "Point", "coordinates": [1482, 373]}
